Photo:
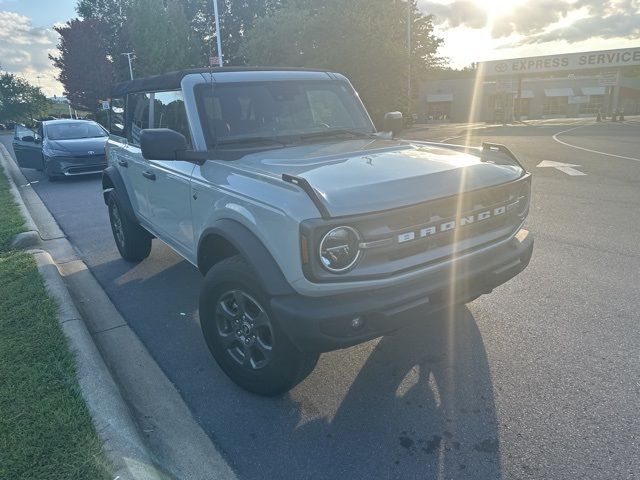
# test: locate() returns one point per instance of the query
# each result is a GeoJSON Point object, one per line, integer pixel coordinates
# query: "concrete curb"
{"type": "Point", "coordinates": [153, 425]}
{"type": "Point", "coordinates": [121, 440]}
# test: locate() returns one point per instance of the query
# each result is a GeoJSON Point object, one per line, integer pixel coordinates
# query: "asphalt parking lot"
{"type": "Point", "coordinates": [540, 379]}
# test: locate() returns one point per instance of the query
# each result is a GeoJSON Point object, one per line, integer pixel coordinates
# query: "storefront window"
{"type": "Point", "coordinates": [555, 106]}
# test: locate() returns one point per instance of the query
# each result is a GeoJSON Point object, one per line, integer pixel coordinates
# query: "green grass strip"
{"type": "Point", "coordinates": [46, 431]}
{"type": "Point", "coordinates": [11, 221]}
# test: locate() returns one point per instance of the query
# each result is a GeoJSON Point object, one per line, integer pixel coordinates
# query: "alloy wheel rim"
{"type": "Point", "coordinates": [117, 225]}
{"type": "Point", "coordinates": [245, 329]}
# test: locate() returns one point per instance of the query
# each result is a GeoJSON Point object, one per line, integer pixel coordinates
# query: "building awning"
{"type": "Point", "coordinates": [558, 92]}
{"type": "Point", "coordinates": [593, 90]}
{"type": "Point", "coordinates": [440, 97]}
{"type": "Point", "coordinates": [524, 94]}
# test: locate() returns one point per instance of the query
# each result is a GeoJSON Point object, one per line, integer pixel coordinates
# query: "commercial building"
{"type": "Point", "coordinates": [566, 85]}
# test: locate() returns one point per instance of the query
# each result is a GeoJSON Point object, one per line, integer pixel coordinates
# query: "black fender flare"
{"type": "Point", "coordinates": [254, 252]}
{"type": "Point", "coordinates": [112, 182]}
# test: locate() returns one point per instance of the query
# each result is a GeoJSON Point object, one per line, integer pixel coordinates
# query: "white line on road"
{"type": "Point", "coordinates": [563, 167]}
{"type": "Point", "coordinates": [555, 137]}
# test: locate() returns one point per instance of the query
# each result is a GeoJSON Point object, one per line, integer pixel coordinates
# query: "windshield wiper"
{"type": "Point", "coordinates": [335, 132]}
{"type": "Point", "coordinates": [240, 141]}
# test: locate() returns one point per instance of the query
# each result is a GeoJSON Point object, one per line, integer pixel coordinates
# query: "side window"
{"type": "Point", "coordinates": [116, 117]}
{"type": "Point", "coordinates": [137, 116]}
{"type": "Point", "coordinates": [169, 112]}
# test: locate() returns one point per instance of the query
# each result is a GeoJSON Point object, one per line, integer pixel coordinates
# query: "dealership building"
{"type": "Point", "coordinates": [551, 86]}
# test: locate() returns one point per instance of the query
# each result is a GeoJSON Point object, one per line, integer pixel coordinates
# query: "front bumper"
{"type": "Point", "coordinates": [323, 324]}
{"type": "Point", "coordinates": [70, 166]}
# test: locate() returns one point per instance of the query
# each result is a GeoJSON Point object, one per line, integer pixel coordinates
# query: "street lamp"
{"type": "Point", "coordinates": [218, 39]}
{"type": "Point", "coordinates": [409, 44]}
{"type": "Point", "coordinates": [130, 55]}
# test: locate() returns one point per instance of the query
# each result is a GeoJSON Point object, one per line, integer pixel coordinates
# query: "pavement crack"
{"type": "Point", "coordinates": [110, 328]}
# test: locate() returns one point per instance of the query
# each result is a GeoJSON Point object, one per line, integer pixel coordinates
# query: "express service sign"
{"type": "Point", "coordinates": [623, 57]}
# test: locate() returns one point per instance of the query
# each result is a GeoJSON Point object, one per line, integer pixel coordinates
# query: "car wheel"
{"type": "Point", "coordinates": [47, 171]}
{"type": "Point", "coordinates": [244, 336]}
{"type": "Point", "coordinates": [133, 241]}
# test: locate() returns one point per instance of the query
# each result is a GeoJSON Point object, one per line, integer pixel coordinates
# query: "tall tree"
{"type": "Point", "coordinates": [237, 17]}
{"type": "Point", "coordinates": [364, 39]}
{"type": "Point", "coordinates": [86, 70]}
{"type": "Point", "coordinates": [19, 100]}
{"type": "Point", "coordinates": [113, 14]}
{"type": "Point", "coordinates": [161, 37]}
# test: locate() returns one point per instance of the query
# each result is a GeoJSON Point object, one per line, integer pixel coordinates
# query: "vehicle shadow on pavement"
{"type": "Point", "coordinates": [415, 404]}
{"type": "Point", "coordinates": [421, 406]}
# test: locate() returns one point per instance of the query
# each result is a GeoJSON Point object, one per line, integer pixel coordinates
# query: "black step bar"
{"type": "Point", "coordinates": [488, 147]}
{"type": "Point", "coordinates": [310, 191]}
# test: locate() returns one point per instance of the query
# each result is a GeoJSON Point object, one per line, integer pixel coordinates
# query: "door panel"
{"type": "Point", "coordinates": [138, 185]}
{"type": "Point", "coordinates": [169, 200]}
{"type": "Point", "coordinates": [28, 153]}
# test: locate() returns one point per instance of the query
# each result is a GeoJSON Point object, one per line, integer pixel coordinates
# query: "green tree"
{"type": "Point", "coordinates": [161, 37]}
{"type": "Point", "coordinates": [19, 100]}
{"type": "Point", "coordinates": [364, 39]}
{"type": "Point", "coordinates": [237, 17]}
{"type": "Point", "coordinates": [113, 15]}
{"type": "Point", "coordinates": [86, 71]}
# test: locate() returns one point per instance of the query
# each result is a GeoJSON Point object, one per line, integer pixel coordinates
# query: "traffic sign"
{"type": "Point", "coordinates": [608, 79]}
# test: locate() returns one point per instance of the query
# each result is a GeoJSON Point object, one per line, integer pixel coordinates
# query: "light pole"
{"type": "Point", "coordinates": [130, 55]}
{"type": "Point", "coordinates": [409, 18]}
{"type": "Point", "coordinates": [218, 39]}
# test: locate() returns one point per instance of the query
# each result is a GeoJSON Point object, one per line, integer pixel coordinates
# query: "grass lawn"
{"type": "Point", "coordinates": [45, 429]}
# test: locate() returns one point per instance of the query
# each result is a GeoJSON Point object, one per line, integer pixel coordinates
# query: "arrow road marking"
{"type": "Point", "coordinates": [563, 167]}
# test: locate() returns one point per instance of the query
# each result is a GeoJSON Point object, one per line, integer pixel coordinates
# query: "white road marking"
{"type": "Point", "coordinates": [451, 138]}
{"type": "Point", "coordinates": [555, 137]}
{"type": "Point", "coordinates": [563, 167]}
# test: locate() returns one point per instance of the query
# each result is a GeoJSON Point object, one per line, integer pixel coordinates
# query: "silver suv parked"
{"type": "Point", "coordinates": [314, 232]}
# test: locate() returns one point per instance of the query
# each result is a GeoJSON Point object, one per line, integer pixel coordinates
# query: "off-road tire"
{"type": "Point", "coordinates": [133, 241]}
{"type": "Point", "coordinates": [287, 365]}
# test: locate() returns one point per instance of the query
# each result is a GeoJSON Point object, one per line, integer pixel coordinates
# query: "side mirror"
{"type": "Point", "coordinates": [162, 144]}
{"type": "Point", "coordinates": [28, 138]}
{"type": "Point", "coordinates": [393, 122]}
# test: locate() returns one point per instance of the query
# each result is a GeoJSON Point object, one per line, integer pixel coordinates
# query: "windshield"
{"type": "Point", "coordinates": [73, 130]}
{"type": "Point", "coordinates": [268, 110]}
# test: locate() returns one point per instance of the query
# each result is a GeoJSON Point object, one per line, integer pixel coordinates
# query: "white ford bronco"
{"type": "Point", "coordinates": [313, 231]}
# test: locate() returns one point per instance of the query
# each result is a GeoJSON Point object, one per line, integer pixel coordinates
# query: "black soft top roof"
{"type": "Point", "coordinates": [172, 80]}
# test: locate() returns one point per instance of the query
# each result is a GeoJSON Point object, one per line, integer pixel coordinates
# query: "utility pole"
{"type": "Point", "coordinates": [130, 55]}
{"type": "Point", "coordinates": [218, 39]}
{"type": "Point", "coordinates": [409, 20]}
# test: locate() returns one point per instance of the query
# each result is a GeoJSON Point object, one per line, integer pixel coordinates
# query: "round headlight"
{"type": "Point", "coordinates": [339, 249]}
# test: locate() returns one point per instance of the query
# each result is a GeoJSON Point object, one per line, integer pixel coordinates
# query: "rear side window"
{"type": "Point", "coordinates": [169, 112]}
{"type": "Point", "coordinates": [137, 116]}
{"type": "Point", "coordinates": [116, 117]}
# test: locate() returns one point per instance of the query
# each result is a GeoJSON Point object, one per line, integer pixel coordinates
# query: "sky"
{"type": "Point", "coordinates": [473, 30]}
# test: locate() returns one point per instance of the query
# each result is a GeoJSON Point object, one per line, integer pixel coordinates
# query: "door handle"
{"type": "Point", "coordinates": [123, 163]}
{"type": "Point", "coordinates": [149, 174]}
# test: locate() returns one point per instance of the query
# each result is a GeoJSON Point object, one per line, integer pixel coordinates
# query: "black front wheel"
{"type": "Point", "coordinates": [244, 336]}
{"type": "Point", "coordinates": [52, 177]}
{"type": "Point", "coordinates": [133, 241]}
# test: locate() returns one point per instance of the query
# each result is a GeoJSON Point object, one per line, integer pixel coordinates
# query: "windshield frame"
{"type": "Point", "coordinates": [47, 130]}
{"type": "Point", "coordinates": [286, 139]}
